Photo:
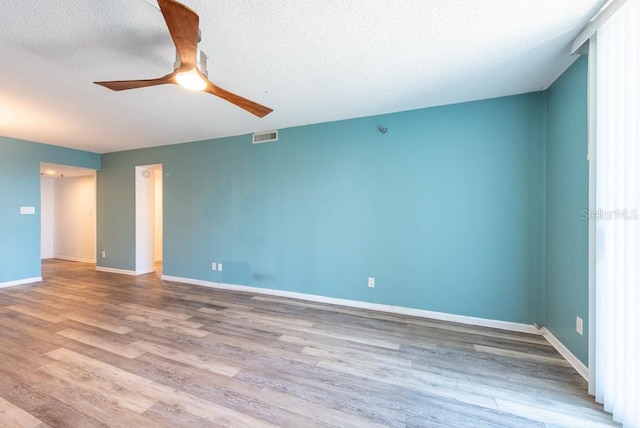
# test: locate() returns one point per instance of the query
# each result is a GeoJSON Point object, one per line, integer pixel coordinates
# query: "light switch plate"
{"type": "Point", "coordinates": [27, 210]}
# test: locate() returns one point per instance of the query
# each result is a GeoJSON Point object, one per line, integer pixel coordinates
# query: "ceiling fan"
{"type": "Point", "coordinates": [183, 27]}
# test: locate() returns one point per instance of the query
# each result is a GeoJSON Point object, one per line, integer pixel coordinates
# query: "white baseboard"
{"type": "Point", "coordinates": [145, 271]}
{"type": "Point", "coordinates": [75, 259]}
{"type": "Point", "coordinates": [401, 310]}
{"type": "Point", "coordinates": [126, 272]}
{"type": "Point", "coordinates": [567, 354]}
{"type": "Point", "coordinates": [113, 270]}
{"type": "Point", "coordinates": [21, 282]}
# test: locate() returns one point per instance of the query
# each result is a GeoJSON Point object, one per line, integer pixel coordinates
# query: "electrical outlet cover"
{"type": "Point", "coordinates": [579, 325]}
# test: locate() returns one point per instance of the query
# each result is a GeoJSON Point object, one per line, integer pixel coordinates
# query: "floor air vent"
{"type": "Point", "coordinates": [265, 137]}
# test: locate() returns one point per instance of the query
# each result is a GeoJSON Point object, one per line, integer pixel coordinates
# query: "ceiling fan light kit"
{"type": "Point", "coordinates": [191, 80]}
{"type": "Point", "coordinates": [190, 68]}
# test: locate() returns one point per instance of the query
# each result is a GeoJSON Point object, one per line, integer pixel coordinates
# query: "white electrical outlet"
{"type": "Point", "coordinates": [220, 267]}
{"type": "Point", "coordinates": [104, 254]}
{"type": "Point", "coordinates": [372, 282]}
{"type": "Point", "coordinates": [579, 325]}
{"type": "Point", "coordinates": [213, 266]}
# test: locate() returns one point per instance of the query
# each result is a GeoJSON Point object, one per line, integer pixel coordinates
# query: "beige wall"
{"type": "Point", "coordinates": [74, 219]}
{"type": "Point", "coordinates": [47, 195]}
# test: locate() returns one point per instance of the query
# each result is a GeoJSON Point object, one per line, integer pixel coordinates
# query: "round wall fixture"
{"type": "Point", "coordinates": [146, 174]}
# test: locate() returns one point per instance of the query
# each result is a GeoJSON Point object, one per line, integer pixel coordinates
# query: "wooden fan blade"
{"type": "Point", "coordinates": [248, 105]}
{"type": "Point", "coordinates": [121, 85]}
{"type": "Point", "coordinates": [183, 27]}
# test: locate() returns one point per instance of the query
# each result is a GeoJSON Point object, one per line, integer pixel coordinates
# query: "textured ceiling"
{"type": "Point", "coordinates": [311, 61]}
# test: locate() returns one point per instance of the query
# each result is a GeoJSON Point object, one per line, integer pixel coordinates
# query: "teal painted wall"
{"type": "Point", "coordinates": [446, 210]}
{"type": "Point", "coordinates": [471, 209]}
{"type": "Point", "coordinates": [20, 186]}
{"type": "Point", "coordinates": [567, 194]}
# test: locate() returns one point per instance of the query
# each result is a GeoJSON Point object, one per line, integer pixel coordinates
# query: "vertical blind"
{"type": "Point", "coordinates": [615, 361]}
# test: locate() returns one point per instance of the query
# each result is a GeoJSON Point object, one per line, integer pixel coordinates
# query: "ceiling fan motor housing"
{"type": "Point", "coordinates": [201, 62]}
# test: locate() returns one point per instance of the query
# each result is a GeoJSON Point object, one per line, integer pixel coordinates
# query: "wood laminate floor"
{"type": "Point", "coordinates": [93, 349]}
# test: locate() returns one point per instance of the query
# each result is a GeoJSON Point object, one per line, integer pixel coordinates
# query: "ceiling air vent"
{"type": "Point", "coordinates": [265, 137]}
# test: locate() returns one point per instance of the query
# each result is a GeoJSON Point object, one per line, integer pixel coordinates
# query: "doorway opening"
{"type": "Point", "coordinates": [67, 208]}
{"type": "Point", "coordinates": [148, 231]}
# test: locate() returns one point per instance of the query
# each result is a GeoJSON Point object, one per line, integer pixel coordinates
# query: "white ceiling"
{"type": "Point", "coordinates": [311, 61]}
